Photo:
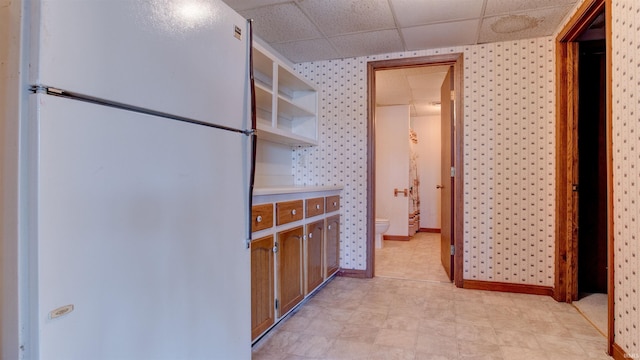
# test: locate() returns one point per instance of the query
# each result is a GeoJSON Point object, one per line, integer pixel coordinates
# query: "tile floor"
{"type": "Point", "coordinates": [401, 318]}
{"type": "Point", "coordinates": [418, 259]}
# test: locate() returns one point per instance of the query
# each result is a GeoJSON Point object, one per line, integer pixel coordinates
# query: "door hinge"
{"type": "Point", "coordinates": [453, 250]}
{"type": "Point", "coordinates": [574, 187]}
{"type": "Point", "coordinates": [453, 172]}
{"type": "Point", "coordinates": [453, 95]}
{"type": "Point", "coordinates": [277, 304]}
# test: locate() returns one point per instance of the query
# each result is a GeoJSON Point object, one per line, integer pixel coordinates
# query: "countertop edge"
{"type": "Point", "coordinates": [293, 189]}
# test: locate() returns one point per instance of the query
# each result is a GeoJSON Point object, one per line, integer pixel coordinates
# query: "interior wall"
{"type": "Point", "coordinates": [273, 164]}
{"type": "Point", "coordinates": [428, 147]}
{"type": "Point", "coordinates": [392, 167]}
{"type": "Point", "coordinates": [626, 171]}
{"type": "Point", "coordinates": [508, 151]}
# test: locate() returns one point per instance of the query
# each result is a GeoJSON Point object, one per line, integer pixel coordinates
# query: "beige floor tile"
{"type": "Point", "coordinates": [397, 338]}
{"type": "Point", "coordinates": [310, 346]}
{"type": "Point", "coordinates": [414, 318]}
{"type": "Point", "coordinates": [520, 353]}
{"type": "Point", "coordinates": [359, 333]}
{"type": "Point", "coordinates": [391, 353]}
{"type": "Point", "coordinates": [342, 349]}
{"type": "Point", "coordinates": [437, 345]}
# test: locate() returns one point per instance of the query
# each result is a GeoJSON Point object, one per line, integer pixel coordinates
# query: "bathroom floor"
{"type": "Point", "coordinates": [393, 318]}
{"type": "Point", "coordinates": [416, 259]}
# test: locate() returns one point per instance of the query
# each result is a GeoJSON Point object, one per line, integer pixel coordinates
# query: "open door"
{"type": "Point", "coordinates": [446, 173]}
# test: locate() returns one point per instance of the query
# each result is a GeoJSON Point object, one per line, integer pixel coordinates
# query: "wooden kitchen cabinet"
{"type": "Point", "coordinates": [290, 270]}
{"type": "Point", "coordinates": [296, 251]}
{"type": "Point", "coordinates": [262, 285]}
{"type": "Point", "coordinates": [314, 258]}
{"type": "Point", "coordinates": [288, 211]}
{"type": "Point", "coordinates": [332, 245]}
{"type": "Point", "coordinates": [314, 207]}
{"type": "Point", "coordinates": [261, 217]}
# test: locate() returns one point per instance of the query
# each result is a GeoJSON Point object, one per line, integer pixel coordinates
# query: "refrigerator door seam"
{"type": "Point", "coordinates": [98, 101]}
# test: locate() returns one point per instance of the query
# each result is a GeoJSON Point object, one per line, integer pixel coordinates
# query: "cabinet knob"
{"type": "Point", "coordinates": [293, 212]}
{"type": "Point", "coordinates": [310, 235]}
{"type": "Point", "coordinates": [317, 206]}
{"type": "Point", "coordinates": [335, 203]}
{"type": "Point", "coordinates": [329, 227]}
{"type": "Point", "coordinates": [259, 218]}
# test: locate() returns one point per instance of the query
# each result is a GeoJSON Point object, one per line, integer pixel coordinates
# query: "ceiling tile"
{"type": "Point", "coordinates": [392, 88]}
{"type": "Point", "coordinates": [307, 50]}
{"type": "Point", "coordinates": [369, 43]}
{"type": "Point", "coordinates": [440, 35]}
{"type": "Point", "coordinates": [495, 7]}
{"type": "Point", "coordinates": [281, 23]}
{"type": "Point", "coordinates": [239, 5]}
{"type": "Point", "coordinates": [411, 12]}
{"type": "Point", "coordinates": [548, 21]}
{"type": "Point", "coordinates": [336, 17]}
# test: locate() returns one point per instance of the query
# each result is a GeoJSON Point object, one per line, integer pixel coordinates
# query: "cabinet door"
{"type": "Point", "coordinates": [332, 245]}
{"type": "Point", "coordinates": [262, 283]}
{"type": "Point", "coordinates": [315, 274]}
{"type": "Point", "coordinates": [290, 279]}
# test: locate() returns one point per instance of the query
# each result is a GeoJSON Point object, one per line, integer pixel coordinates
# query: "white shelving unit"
{"type": "Point", "coordinates": [287, 104]}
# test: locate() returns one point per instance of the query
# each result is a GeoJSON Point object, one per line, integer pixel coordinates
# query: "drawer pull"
{"type": "Point", "coordinates": [335, 203]}
{"type": "Point", "coordinates": [317, 206]}
{"type": "Point", "coordinates": [259, 218]}
{"type": "Point", "coordinates": [293, 212]}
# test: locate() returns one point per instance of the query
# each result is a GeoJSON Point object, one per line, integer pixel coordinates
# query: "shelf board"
{"type": "Point", "coordinates": [283, 137]}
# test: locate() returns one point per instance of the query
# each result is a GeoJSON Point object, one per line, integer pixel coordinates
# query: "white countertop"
{"type": "Point", "coordinates": [275, 190]}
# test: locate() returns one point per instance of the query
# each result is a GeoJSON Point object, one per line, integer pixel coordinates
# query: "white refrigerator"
{"type": "Point", "coordinates": [139, 180]}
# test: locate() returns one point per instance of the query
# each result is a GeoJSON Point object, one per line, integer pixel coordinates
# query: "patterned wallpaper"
{"type": "Point", "coordinates": [508, 156]}
{"type": "Point", "coordinates": [626, 174]}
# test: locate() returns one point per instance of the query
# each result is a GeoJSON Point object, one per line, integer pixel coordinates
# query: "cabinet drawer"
{"type": "Point", "coordinates": [333, 203]}
{"type": "Point", "coordinates": [315, 206]}
{"type": "Point", "coordinates": [261, 217]}
{"type": "Point", "coordinates": [288, 211]}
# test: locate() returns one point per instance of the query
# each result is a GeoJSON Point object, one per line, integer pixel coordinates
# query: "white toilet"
{"type": "Point", "coordinates": [382, 225]}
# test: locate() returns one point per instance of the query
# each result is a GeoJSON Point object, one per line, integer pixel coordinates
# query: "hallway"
{"type": "Point", "coordinates": [423, 316]}
{"type": "Point", "coordinates": [417, 259]}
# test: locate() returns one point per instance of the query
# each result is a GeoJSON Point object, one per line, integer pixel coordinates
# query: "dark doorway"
{"type": "Point", "coordinates": [592, 173]}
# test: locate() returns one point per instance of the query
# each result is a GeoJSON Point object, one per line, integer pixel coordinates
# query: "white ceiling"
{"type": "Point", "coordinates": [313, 30]}
{"type": "Point", "coordinates": [310, 30]}
{"type": "Point", "coordinates": [418, 87]}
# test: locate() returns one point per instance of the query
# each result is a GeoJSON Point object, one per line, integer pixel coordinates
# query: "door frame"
{"type": "Point", "coordinates": [566, 284]}
{"type": "Point", "coordinates": [455, 60]}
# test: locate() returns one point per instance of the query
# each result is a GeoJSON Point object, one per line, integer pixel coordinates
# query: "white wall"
{"type": "Point", "coordinates": [508, 153]}
{"type": "Point", "coordinates": [273, 164]}
{"type": "Point", "coordinates": [429, 149]}
{"type": "Point", "coordinates": [392, 167]}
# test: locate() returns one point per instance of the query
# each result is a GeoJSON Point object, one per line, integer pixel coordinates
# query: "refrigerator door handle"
{"type": "Point", "coordinates": [42, 89]}
{"type": "Point", "coordinates": [254, 136]}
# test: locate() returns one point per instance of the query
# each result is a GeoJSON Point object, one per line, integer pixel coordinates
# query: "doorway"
{"type": "Point", "coordinates": [454, 255]}
{"type": "Point", "coordinates": [584, 239]}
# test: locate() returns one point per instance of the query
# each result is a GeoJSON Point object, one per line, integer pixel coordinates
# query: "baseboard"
{"type": "Point", "coordinates": [508, 287]}
{"type": "Point", "coordinates": [352, 273]}
{"type": "Point", "coordinates": [430, 230]}
{"type": "Point", "coordinates": [618, 354]}
{"type": "Point", "coordinates": [397, 237]}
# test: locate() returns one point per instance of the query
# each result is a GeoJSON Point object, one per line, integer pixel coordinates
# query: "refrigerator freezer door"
{"type": "Point", "coordinates": [141, 229]}
{"type": "Point", "coordinates": [179, 57]}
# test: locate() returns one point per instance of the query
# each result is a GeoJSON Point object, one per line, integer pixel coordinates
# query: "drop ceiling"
{"type": "Point", "coordinates": [312, 30]}
{"type": "Point", "coordinates": [315, 30]}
